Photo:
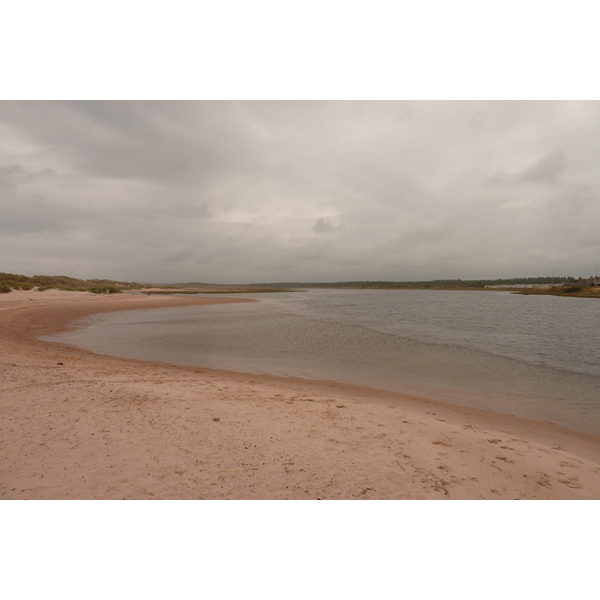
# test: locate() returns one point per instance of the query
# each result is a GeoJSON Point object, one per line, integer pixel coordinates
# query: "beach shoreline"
{"type": "Point", "coordinates": [82, 425]}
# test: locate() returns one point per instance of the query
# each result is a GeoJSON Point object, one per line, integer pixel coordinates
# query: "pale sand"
{"type": "Point", "coordinates": [80, 425]}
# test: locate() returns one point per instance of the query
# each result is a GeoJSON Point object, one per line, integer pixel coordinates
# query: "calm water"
{"type": "Point", "coordinates": [532, 356]}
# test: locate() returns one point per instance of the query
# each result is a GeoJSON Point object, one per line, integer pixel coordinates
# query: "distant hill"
{"type": "Point", "coordinates": [10, 281]}
{"type": "Point", "coordinates": [436, 283]}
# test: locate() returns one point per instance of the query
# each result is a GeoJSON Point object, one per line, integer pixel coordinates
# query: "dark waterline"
{"type": "Point", "coordinates": [532, 356]}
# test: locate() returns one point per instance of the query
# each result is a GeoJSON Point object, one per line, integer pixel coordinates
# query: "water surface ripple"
{"type": "Point", "coordinates": [532, 356]}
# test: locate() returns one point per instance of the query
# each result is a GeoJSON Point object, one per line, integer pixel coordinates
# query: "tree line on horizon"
{"type": "Point", "coordinates": [10, 281]}
{"type": "Point", "coordinates": [430, 283]}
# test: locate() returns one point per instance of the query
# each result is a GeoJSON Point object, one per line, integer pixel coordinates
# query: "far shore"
{"type": "Point", "coordinates": [77, 425]}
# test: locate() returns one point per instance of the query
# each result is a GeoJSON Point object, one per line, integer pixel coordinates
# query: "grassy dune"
{"type": "Point", "coordinates": [10, 281]}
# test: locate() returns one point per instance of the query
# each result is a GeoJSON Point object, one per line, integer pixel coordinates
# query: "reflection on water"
{"type": "Point", "coordinates": [512, 354]}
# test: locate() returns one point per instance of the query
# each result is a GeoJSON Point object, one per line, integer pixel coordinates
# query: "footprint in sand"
{"type": "Point", "coordinates": [572, 482]}
{"type": "Point", "coordinates": [542, 480]}
{"type": "Point", "coordinates": [402, 455]}
{"type": "Point", "coordinates": [505, 459]}
{"type": "Point", "coordinates": [564, 463]}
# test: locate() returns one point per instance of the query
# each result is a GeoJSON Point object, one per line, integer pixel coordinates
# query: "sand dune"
{"type": "Point", "coordinates": [75, 425]}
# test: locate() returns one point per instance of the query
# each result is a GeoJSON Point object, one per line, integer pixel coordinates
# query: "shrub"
{"type": "Point", "coordinates": [5, 289]}
{"type": "Point", "coordinates": [105, 290]}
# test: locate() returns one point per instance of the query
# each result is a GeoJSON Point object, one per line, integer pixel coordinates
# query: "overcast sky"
{"type": "Point", "coordinates": [240, 192]}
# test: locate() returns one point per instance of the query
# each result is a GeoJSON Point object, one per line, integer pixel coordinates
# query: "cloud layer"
{"type": "Point", "coordinates": [299, 191]}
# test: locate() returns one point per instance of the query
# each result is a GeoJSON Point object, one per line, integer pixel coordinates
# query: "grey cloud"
{"type": "Point", "coordinates": [323, 225]}
{"type": "Point", "coordinates": [242, 191]}
{"type": "Point", "coordinates": [548, 169]}
{"type": "Point", "coordinates": [160, 141]}
{"type": "Point", "coordinates": [178, 254]}
{"type": "Point", "coordinates": [12, 175]}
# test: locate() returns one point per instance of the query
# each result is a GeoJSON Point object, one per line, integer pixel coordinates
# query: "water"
{"type": "Point", "coordinates": [531, 356]}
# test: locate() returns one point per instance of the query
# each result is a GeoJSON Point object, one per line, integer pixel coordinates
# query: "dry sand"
{"type": "Point", "coordinates": [77, 425]}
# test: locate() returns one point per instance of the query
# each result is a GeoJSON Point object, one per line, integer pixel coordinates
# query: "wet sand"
{"type": "Point", "coordinates": [77, 425]}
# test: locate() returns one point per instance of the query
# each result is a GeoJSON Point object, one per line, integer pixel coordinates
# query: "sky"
{"type": "Point", "coordinates": [279, 191]}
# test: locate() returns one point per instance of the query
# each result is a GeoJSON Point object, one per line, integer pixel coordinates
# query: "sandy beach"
{"type": "Point", "coordinates": [76, 425]}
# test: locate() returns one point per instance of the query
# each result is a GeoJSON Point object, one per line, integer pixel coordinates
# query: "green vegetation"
{"type": "Point", "coordinates": [105, 290]}
{"type": "Point", "coordinates": [62, 282]}
{"type": "Point", "coordinates": [10, 281]}
{"type": "Point", "coordinates": [573, 291]}
{"type": "Point", "coordinates": [436, 284]}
